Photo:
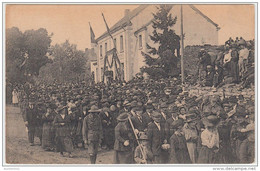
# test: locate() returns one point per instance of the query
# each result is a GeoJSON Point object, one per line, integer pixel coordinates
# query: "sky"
{"type": "Point", "coordinates": [71, 22]}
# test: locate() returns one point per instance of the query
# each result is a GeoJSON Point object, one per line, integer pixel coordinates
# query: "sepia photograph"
{"type": "Point", "coordinates": [134, 84]}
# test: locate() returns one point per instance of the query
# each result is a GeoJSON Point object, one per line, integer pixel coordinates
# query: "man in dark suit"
{"type": "Point", "coordinates": [164, 112]}
{"type": "Point", "coordinates": [156, 137]}
{"type": "Point", "coordinates": [147, 115]}
{"type": "Point", "coordinates": [30, 120]}
{"type": "Point", "coordinates": [168, 126]}
{"type": "Point", "coordinates": [138, 120]}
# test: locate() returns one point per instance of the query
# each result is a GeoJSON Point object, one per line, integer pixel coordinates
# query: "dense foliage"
{"type": "Point", "coordinates": [162, 61]}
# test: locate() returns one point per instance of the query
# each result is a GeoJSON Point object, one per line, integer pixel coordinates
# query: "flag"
{"type": "Point", "coordinates": [92, 35]}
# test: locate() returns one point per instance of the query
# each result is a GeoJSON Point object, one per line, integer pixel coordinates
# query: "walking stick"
{"type": "Point", "coordinates": [132, 126]}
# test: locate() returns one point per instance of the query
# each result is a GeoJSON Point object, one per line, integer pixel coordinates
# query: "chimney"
{"type": "Point", "coordinates": [127, 11]}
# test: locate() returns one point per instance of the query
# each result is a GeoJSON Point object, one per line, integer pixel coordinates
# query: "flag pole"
{"type": "Point", "coordinates": [115, 54]}
{"type": "Point", "coordinates": [182, 49]}
{"type": "Point", "coordinates": [109, 31]}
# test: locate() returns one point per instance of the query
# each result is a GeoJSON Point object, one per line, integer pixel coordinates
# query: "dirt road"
{"type": "Point", "coordinates": [18, 150]}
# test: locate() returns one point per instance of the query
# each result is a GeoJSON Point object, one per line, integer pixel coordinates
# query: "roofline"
{"type": "Point", "coordinates": [128, 23]}
{"type": "Point", "coordinates": [105, 34]}
{"type": "Point", "coordinates": [203, 15]}
{"type": "Point", "coordinates": [113, 31]}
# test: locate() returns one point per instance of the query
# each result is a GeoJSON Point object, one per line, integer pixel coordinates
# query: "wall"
{"type": "Point", "coordinates": [197, 31]}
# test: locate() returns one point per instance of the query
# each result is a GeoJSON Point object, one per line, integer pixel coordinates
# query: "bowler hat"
{"type": "Point", "coordinates": [177, 123]}
{"type": "Point", "coordinates": [156, 115]}
{"type": "Point", "coordinates": [122, 117]}
{"type": "Point", "coordinates": [60, 108]}
{"type": "Point", "coordinates": [94, 109]}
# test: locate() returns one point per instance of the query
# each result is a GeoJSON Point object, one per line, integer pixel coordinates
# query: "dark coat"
{"type": "Point", "coordinates": [47, 130]}
{"type": "Point", "coordinates": [139, 123]}
{"type": "Point", "coordinates": [179, 151]}
{"type": "Point", "coordinates": [209, 79]}
{"type": "Point", "coordinates": [169, 130]}
{"type": "Point", "coordinates": [31, 116]}
{"type": "Point", "coordinates": [108, 129]}
{"type": "Point", "coordinates": [234, 69]}
{"type": "Point", "coordinates": [156, 138]}
{"type": "Point", "coordinates": [225, 150]}
{"type": "Point", "coordinates": [62, 130]}
{"type": "Point", "coordinates": [147, 118]}
{"type": "Point", "coordinates": [123, 132]}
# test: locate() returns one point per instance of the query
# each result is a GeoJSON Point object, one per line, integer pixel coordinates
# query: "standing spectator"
{"type": "Point", "coordinates": [209, 140]}
{"type": "Point", "coordinates": [243, 58]}
{"type": "Point", "coordinates": [108, 130]}
{"type": "Point", "coordinates": [191, 135]}
{"type": "Point", "coordinates": [179, 151]}
{"type": "Point", "coordinates": [123, 141]}
{"type": "Point", "coordinates": [47, 130]}
{"type": "Point", "coordinates": [156, 136]}
{"type": "Point", "coordinates": [234, 70]}
{"type": "Point", "coordinates": [63, 139]}
{"type": "Point", "coordinates": [30, 121]}
{"type": "Point", "coordinates": [92, 132]}
{"type": "Point", "coordinates": [247, 150]}
{"type": "Point", "coordinates": [15, 97]}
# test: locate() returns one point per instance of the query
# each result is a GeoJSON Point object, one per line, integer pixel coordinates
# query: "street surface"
{"type": "Point", "coordinates": [18, 150]}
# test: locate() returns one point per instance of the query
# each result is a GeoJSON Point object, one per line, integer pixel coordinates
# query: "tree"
{"type": "Point", "coordinates": [36, 44]}
{"type": "Point", "coordinates": [162, 61]}
{"type": "Point", "coordinates": [68, 65]}
{"type": "Point", "coordinates": [25, 53]}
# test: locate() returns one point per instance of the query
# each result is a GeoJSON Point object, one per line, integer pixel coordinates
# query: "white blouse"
{"type": "Point", "coordinates": [210, 139]}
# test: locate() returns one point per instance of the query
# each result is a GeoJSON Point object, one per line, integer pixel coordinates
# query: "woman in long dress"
{"type": "Point", "coordinates": [63, 139]}
{"type": "Point", "coordinates": [47, 130]}
{"type": "Point", "coordinates": [15, 97]}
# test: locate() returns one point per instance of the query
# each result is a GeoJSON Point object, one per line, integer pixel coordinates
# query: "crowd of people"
{"type": "Point", "coordinates": [143, 121]}
{"type": "Point", "coordinates": [148, 121]}
{"type": "Point", "coordinates": [234, 63]}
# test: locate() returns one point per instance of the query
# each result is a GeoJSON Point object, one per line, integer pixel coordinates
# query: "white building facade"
{"type": "Point", "coordinates": [131, 35]}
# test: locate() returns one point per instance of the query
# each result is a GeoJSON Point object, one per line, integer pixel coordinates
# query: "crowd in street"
{"type": "Point", "coordinates": [143, 121]}
{"type": "Point", "coordinates": [148, 121]}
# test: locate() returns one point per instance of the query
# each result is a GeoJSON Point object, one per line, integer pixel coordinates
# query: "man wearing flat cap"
{"type": "Point", "coordinates": [92, 132]}
{"type": "Point", "coordinates": [156, 136]}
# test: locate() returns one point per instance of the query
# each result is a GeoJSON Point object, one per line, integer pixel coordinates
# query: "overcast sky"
{"type": "Point", "coordinates": [71, 21]}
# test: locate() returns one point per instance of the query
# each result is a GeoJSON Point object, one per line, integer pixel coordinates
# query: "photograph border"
{"type": "Point", "coordinates": [4, 164]}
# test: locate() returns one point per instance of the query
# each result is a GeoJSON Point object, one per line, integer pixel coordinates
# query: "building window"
{"type": "Point", "coordinates": [115, 42]}
{"type": "Point", "coordinates": [102, 72]}
{"type": "Point", "coordinates": [121, 44]}
{"type": "Point", "coordinates": [123, 71]}
{"type": "Point", "coordinates": [105, 48]}
{"type": "Point", "coordinates": [100, 51]}
{"type": "Point", "coordinates": [140, 41]}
